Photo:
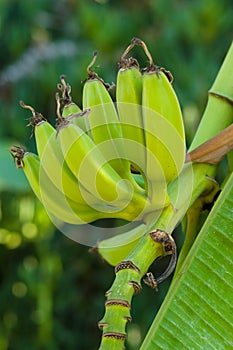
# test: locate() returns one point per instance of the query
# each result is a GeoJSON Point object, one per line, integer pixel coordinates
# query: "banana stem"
{"type": "Point", "coordinates": [217, 116]}
{"type": "Point", "coordinates": [125, 285]}
{"type": "Point", "coordinates": [90, 73]}
{"type": "Point", "coordinates": [65, 90]}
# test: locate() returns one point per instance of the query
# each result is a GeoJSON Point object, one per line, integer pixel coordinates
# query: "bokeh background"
{"type": "Point", "coordinates": [51, 288]}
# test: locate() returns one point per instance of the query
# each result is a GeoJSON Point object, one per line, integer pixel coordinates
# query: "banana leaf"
{"type": "Point", "coordinates": [197, 312]}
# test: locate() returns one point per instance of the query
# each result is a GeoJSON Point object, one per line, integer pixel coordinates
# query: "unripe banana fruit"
{"type": "Point", "coordinates": [103, 120]}
{"type": "Point", "coordinates": [163, 129]}
{"type": "Point", "coordinates": [163, 125]}
{"type": "Point", "coordinates": [129, 106]}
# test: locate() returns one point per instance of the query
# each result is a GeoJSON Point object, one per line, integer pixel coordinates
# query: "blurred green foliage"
{"type": "Point", "coordinates": [52, 290]}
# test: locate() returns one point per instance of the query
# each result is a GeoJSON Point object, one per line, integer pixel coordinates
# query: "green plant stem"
{"type": "Point", "coordinates": [194, 180]}
{"type": "Point", "coordinates": [126, 284]}
{"type": "Point", "coordinates": [192, 217]}
{"type": "Point", "coordinates": [218, 113]}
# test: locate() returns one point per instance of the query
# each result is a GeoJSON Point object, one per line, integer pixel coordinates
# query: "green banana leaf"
{"type": "Point", "coordinates": [197, 312]}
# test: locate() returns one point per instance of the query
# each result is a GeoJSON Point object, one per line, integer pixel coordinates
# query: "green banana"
{"type": "Point", "coordinates": [163, 128]}
{"type": "Point", "coordinates": [164, 132]}
{"type": "Point", "coordinates": [129, 100]}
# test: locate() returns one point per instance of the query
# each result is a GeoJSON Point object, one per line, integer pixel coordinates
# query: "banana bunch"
{"type": "Point", "coordinates": [154, 140]}
{"type": "Point", "coordinates": [152, 125]}
{"type": "Point", "coordinates": [70, 175]}
{"type": "Point", "coordinates": [109, 160]}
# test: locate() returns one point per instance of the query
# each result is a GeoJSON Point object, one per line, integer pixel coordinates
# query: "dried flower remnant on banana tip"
{"type": "Point", "coordinates": [17, 153]}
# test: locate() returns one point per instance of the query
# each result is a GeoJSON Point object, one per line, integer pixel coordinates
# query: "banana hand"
{"type": "Point", "coordinates": [52, 160]}
{"type": "Point", "coordinates": [54, 201]}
